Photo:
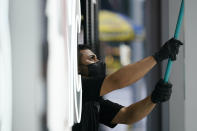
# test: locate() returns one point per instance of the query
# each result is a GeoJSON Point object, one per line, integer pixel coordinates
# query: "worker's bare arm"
{"type": "Point", "coordinates": [127, 75]}
{"type": "Point", "coordinates": [133, 72]}
{"type": "Point", "coordinates": [135, 112]}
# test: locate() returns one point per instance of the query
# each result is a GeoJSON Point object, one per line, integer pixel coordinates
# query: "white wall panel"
{"type": "Point", "coordinates": [182, 107]}
{"type": "Point", "coordinates": [5, 69]}
{"type": "Point", "coordinates": [26, 34]}
{"type": "Point", "coordinates": [190, 65]}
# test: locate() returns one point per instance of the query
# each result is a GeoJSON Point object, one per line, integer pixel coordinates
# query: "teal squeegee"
{"type": "Point", "coordinates": [176, 35]}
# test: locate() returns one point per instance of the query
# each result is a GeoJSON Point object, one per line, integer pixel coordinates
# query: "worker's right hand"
{"type": "Point", "coordinates": [162, 92]}
{"type": "Point", "coordinates": [169, 50]}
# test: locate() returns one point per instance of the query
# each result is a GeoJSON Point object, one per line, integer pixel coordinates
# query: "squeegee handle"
{"type": "Point", "coordinates": [176, 35]}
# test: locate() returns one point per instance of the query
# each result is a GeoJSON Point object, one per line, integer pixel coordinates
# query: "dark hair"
{"type": "Point", "coordinates": [82, 47]}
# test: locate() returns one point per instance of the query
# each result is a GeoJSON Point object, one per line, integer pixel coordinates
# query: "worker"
{"type": "Point", "coordinates": [96, 84]}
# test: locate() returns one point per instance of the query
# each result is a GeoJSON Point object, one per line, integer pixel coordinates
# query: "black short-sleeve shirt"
{"type": "Point", "coordinates": [91, 93]}
{"type": "Point", "coordinates": [91, 88]}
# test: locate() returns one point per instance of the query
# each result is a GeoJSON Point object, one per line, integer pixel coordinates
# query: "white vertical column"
{"type": "Point", "coordinates": [26, 33]}
{"type": "Point", "coordinates": [5, 69]}
{"type": "Point", "coordinates": [64, 83]}
{"type": "Point", "coordinates": [57, 80]}
{"type": "Point", "coordinates": [72, 29]}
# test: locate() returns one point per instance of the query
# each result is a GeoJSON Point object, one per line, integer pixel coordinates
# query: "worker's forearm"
{"type": "Point", "coordinates": [133, 72]}
{"type": "Point", "coordinates": [139, 110]}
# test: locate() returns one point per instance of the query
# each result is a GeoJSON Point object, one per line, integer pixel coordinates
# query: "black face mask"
{"type": "Point", "coordinates": [97, 69]}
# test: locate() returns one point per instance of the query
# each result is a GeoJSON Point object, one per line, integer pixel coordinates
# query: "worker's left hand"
{"type": "Point", "coordinates": [169, 50]}
{"type": "Point", "coordinates": [162, 92]}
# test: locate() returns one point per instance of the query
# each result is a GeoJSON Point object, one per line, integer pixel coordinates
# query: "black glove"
{"type": "Point", "coordinates": [169, 50]}
{"type": "Point", "coordinates": [162, 92]}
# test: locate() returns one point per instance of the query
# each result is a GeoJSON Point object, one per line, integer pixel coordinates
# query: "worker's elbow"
{"type": "Point", "coordinates": [128, 122]}
{"type": "Point", "coordinates": [128, 117]}
{"type": "Point", "coordinates": [115, 82]}
{"type": "Point", "coordinates": [124, 117]}
{"type": "Point", "coordinates": [119, 82]}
